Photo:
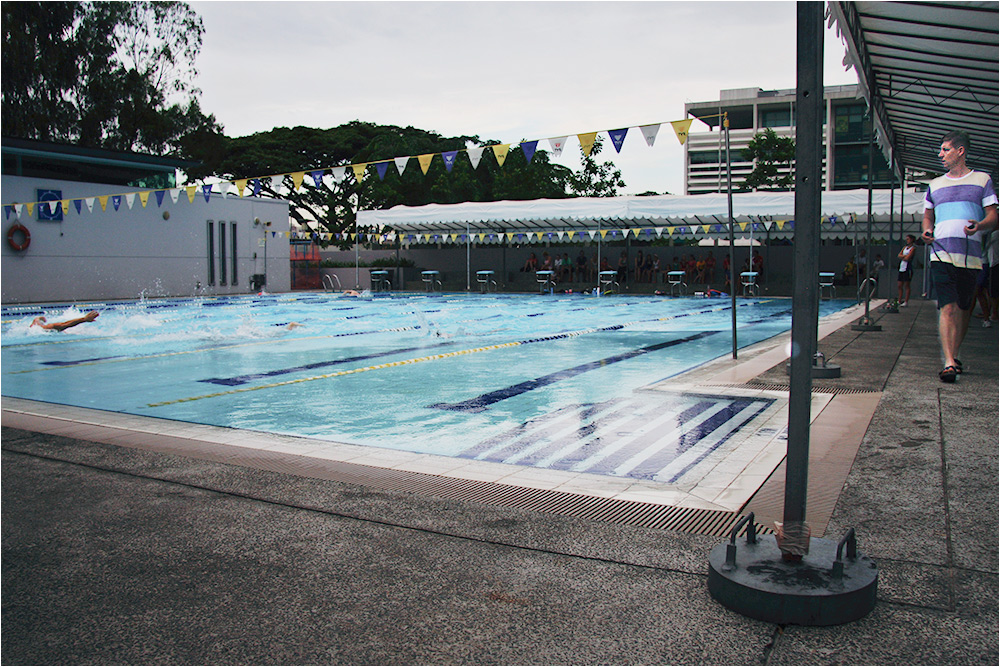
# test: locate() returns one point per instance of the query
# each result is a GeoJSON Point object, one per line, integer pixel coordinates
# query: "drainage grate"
{"type": "Point", "coordinates": [783, 386]}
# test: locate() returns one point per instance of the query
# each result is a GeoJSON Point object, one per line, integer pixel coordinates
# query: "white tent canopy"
{"type": "Point", "coordinates": [692, 216]}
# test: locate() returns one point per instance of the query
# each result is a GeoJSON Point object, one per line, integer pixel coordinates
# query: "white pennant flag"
{"type": "Point", "coordinates": [557, 144]}
{"type": "Point", "coordinates": [475, 155]}
{"type": "Point", "coordinates": [17, 210]}
{"type": "Point", "coordinates": [649, 131]}
{"type": "Point", "coordinates": [339, 173]}
{"type": "Point", "coordinates": [129, 198]}
{"type": "Point", "coordinates": [174, 194]}
{"type": "Point", "coordinates": [276, 183]}
{"type": "Point", "coordinates": [89, 201]}
{"type": "Point", "coordinates": [401, 163]}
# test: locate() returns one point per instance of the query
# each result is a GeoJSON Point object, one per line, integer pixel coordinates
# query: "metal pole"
{"type": "Point", "coordinates": [805, 303]}
{"type": "Point", "coordinates": [468, 259]}
{"type": "Point", "coordinates": [732, 233]}
{"type": "Point", "coordinates": [868, 239]}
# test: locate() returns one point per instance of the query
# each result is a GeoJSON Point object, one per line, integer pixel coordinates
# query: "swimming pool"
{"type": "Point", "coordinates": [548, 381]}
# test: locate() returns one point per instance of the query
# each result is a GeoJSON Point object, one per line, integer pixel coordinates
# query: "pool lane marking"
{"type": "Point", "coordinates": [483, 401]}
{"type": "Point", "coordinates": [391, 364]}
{"type": "Point", "coordinates": [143, 357]}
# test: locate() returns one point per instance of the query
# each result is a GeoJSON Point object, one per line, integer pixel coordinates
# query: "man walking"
{"type": "Point", "coordinates": [959, 207]}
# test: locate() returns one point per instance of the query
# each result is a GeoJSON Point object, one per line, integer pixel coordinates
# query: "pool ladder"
{"type": "Point", "coordinates": [328, 280]}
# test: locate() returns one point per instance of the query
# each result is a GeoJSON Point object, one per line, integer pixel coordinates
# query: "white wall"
{"type": "Point", "coordinates": [128, 253]}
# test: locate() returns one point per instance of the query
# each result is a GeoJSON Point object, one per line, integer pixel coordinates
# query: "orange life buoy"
{"type": "Point", "coordinates": [12, 233]}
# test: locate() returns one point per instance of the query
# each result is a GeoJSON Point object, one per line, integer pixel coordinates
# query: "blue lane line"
{"type": "Point", "coordinates": [244, 379]}
{"type": "Point", "coordinates": [482, 402]}
{"type": "Point", "coordinates": [765, 403]}
{"type": "Point", "coordinates": [78, 361]}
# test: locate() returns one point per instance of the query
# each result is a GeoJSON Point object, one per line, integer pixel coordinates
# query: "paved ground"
{"type": "Point", "coordinates": [113, 555]}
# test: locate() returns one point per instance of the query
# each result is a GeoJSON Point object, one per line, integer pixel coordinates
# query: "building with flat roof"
{"type": "Point", "coordinates": [753, 110]}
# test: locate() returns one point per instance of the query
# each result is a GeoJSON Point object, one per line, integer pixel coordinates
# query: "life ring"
{"type": "Point", "coordinates": [12, 241]}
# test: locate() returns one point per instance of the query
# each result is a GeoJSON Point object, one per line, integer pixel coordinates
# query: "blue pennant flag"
{"type": "Point", "coordinates": [449, 159]}
{"type": "Point", "coordinates": [256, 186]}
{"type": "Point", "coordinates": [618, 138]}
{"type": "Point", "coordinates": [381, 168]}
{"type": "Point", "coordinates": [116, 201]}
{"type": "Point", "coordinates": [78, 203]}
{"type": "Point", "coordinates": [158, 194]}
{"type": "Point", "coordinates": [528, 148]}
{"type": "Point", "coordinates": [207, 191]}
{"type": "Point", "coordinates": [317, 177]}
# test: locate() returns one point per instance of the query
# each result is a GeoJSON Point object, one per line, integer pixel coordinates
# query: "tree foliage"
{"type": "Point", "coordinates": [596, 179]}
{"type": "Point", "coordinates": [332, 206]}
{"type": "Point", "coordinates": [114, 75]}
{"type": "Point", "coordinates": [769, 152]}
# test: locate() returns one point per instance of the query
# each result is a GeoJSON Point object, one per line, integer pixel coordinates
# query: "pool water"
{"type": "Point", "coordinates": [537, 380]}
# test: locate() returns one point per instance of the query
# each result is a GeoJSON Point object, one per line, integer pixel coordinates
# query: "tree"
{"type": "Point", "coordinates": [769, 152]}
{"type": "Point", "coordinates": [114, 75]}
{"type": "Point", "coordinates": [596, 179]}
{"type": "Point", "coordinates": [331, 207]}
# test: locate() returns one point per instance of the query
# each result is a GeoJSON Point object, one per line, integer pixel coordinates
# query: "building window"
{"type": "Point", "coordinates": [211, 253]}
{"type": "Point", "coordinates": [222, 253]}
{"type": "Point", "coordinates": [780, 117]}
{"type": "Point", "coordinates": [232, 240]}
{"type": "Point", "coordinates": [850, 123]}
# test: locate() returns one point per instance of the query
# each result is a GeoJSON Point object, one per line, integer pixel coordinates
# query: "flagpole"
{"type": "Point", "coordinates": [468, 259]}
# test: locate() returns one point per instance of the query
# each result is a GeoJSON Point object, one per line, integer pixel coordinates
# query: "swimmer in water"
{"type": "Point", "coordinates": [40, 321]}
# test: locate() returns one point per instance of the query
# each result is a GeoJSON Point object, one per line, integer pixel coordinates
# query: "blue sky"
{"type": "Point", "coordinates": [501, 70]}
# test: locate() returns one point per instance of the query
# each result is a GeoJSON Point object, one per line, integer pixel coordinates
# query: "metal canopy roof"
{"type": "Point", "coordinates": [926, 68]}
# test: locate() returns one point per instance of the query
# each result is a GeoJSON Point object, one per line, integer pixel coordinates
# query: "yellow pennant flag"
{"type": "Point", "coordinates": [704, 228]}
{"type": "Point", "coordinates": [635, 232]}
{"type": "Point", "coordinates": [144, 197]}
{"type": "Point", "coordinates": [103, 200]}
{"type": "Point", "coordinates": [191, 189]}
{"type": "Point", "coordinates": [510, 236]}
{"type": "Point", "coordinates": [297, 179]}
{"type": "Point", "coordinates": [359, 173]}
{"type": "Point", "coordinates": [670, 231]}
{"type": "Point", "coordinates": [681, 128]}
{"type": "Point", "coordinates": [31, 206]}
{"type": "Point", "coordinates": [241, 184]}
{"type": "Point", "coordinates": [587, 140]}
{"type": "Point", "coordinates": [500, 152]}
{"type": "Point", "coordinates": [781, 224]}
{"type": "Point", "coordinates": [604, 232]}
{"type": "Point", "coordinates": [425, 162]}
{"type": "Point", "coordinates": [743, 226]}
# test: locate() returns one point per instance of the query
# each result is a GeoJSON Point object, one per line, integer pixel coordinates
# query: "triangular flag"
{"type": "Point", "coordinates": [78, 204]}
{"type": "Point", "coordinates": [742, 226]}
{"type": "Point", "coordinates": [359, 171]}
{"type": "Point", "coordinates": [449, 159]}
{"type": "Point", "coordinates": [206, 190]}
{"type": "Point", "coordinates": [401, 164]}
{"type": "Point", "coordinates": [500, 152]}
{"type": "Point", "coordinates": [159, 194]}
{"type": "Point", "coordinates": [116, 201]}
{"type": "Point", "coordinates": [587, 140]}
{"type": "Point", "coordinates": [635, 232]}
{"type": "Point", "coordinates": [130, 199]}
{"type": "Point", "coordinates": [381, 168]}
{"type": "Point", "coordinates": [475, 155]}
{"type": "Point", "coordinates": [604, 232]}
{"type": "Point", "coordinates": [89, 201]}
{"type": "Point", "coordinates": [276, 182]}
{"type": "Point", "coordinates": [241, 184]}
{"type": "Point", "coordinates": [255, 185]}
{"type": "Point", "coordinates": [528, 148]}
{"type": "Point", "coordinates": [649, 132]}
{"type": "Point", "coordinates": [297, 179]}
{"type": "Point", "coordinates": [425, 162]}
{"type": "Point", "coordinates": [318, 177]}
{"type": "Point", "coordinates": [339, 173]}
{"type": "Point", "coordinates": [144, 198]}
{"type": "Point", "coordinates": [618, 138]}
{"type": "Point", "coordinates": [31, 207]}
{"type": "Point", "coordinates": [557, 144]}
{"type": "Point", "coordinates": [681, 128]}
{"type": "Point", "coordinates": [670, 231]}
{"type": "Point", "coordinates": [704, 228]}
{"type": "Point", "coordinates": [65, 205]}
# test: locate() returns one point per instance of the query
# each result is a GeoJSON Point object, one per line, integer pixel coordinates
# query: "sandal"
{"type": "Point", "coordinates": [948, 374]}
{"type": "Point", "coordinates": [959, 368]}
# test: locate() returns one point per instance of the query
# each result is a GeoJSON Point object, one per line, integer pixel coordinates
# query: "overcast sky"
{"type": "Point", "coordinates": [508, 71]}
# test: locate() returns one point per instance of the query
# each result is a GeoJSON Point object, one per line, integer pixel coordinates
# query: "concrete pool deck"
{"type": "Point", "coordinates": [115, 553]}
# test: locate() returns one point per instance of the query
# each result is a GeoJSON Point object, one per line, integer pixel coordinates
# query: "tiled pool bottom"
{"type": "Point", "coordinates": [729, 466]}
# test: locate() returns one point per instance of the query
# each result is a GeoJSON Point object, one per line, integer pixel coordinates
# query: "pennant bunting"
{"type": "Point", "coordinates": [425, 162]}
{"type": "Point", "coordinates": [159, 194]}
{"type": "Point", "coordinates": [618, 138]}
{"type": "Point", "coordinates": [116, 201]}
{"type": "Point", "coordinates": [587, 142]}
{"type": "Point", "coordinates": [557, 144]}
{"type": "Point", "coordinates": [401, 164]}
{"type": "Point", "coordinates": [528, 148]}
{"type": "Point", "coordinates": [449, 159]}
{"type": "Point", "coordinates": [359, 171]}
{"type": "Point", "coordinates": [500, 152]}
{"type": "Point", "coordinates": [78, 204]}
{"type": "Point", "coordinates": [649, 132]}
{"type": "Point", "coordinates": [144, 198]}
{"type": "Point", "coordinates": [380, 169]}
{"type": "Point", "coordinates": [241, 185]}
{"type": "Point", "coordinates": [206, 191]}
{"type": "Point", "coordinates": [276, 183]}
{"type": "Point", "coordinates": [89, 201]}
{"type": "Point", "coordinates": [297, 178]}
{"type": "Point", "coordinates": [130, 199]}
{"type": "Point", "coordinates": [317, 177]}
{"type": "Point", "coordinates": [31, 208]}
{"type": "Point", "coordinates": [255, 185]}
{"type": "Point", "coordinates": [681, 128]}
{"type": "Point", "coordinates": [339, 173]}
{"type": "Point", "coordinates": [475, 155]}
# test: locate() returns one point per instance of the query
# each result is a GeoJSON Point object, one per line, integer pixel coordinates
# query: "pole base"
{"type": "Point", "coordinates": [866, 324]}
{"type": "Point", "coordinates": [759, 584]}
